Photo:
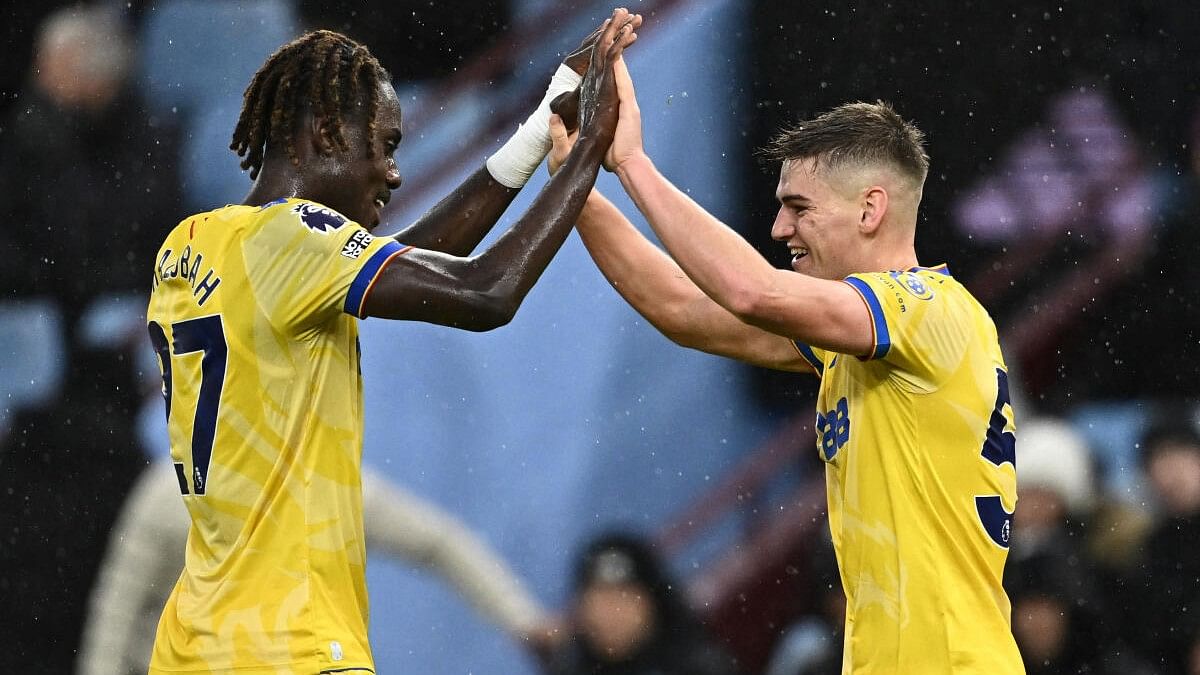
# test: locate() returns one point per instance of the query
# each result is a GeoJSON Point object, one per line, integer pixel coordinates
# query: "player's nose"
{"type": "Point", "coordinates": [782, 229]}
{"type": "Point", "coordinates": [393, 178]}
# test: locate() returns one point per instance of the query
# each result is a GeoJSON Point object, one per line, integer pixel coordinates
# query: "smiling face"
{"type": "Point", "coordinates": [358, 181]}
{"type": "Point", "coordinates": [818, 220]}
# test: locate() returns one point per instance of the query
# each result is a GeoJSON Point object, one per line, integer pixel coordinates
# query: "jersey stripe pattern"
{"type": "Point", "coordinates": [253, 315]}
{"type": "Point", "coordinates": [918, 440]}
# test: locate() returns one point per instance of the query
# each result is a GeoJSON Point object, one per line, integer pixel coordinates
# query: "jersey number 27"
{"type": "Point", "coordinates": [206, 336]}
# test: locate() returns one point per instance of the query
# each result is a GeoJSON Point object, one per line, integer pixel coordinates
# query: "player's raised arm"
{"type": "Point", "coordinates": [457, 223]}
{"type": "Point", "coordinates": [659, 290]}
{"type": "Point", "coordinates": [484, 291]}
{"type": "Point", "coordinates": [725, 266]}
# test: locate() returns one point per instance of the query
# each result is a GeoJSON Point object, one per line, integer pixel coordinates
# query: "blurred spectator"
{"type": "Point", "coordinates": [146, 550]}
{"type": "Point", "coordinates": [1165, 595]}
{"type": "Point", "coordinates": [1062, 621]}
{"type": "Point", "coordinates": [813, 644]}
{"type": "Point", "coordinates": [1056, 631]}
{"type": "Point", "coordinates": [88, 186]}
{"type": "Point", "coordinates": [18, 32]}
{"type": "Point", "coordinates": [89, 180]}
{"type": "Point", "coordinates": [629, 618]}
{"type": "Point", "coordinates": [1056, 491]}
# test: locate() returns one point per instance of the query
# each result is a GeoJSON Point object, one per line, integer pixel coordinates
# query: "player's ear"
{"type": "Point", "coordinates": [321, 135]}
{"type": "Point", "coordinates": [874, 204]}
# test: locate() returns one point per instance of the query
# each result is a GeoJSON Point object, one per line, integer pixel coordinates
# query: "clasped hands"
{"type": "Point", "coordinates": [564, 123]}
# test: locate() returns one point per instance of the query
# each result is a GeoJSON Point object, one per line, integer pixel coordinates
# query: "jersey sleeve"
{"type": "Point", "coordinates": [306, 263]}
{"type": "Point", "coordinates": [813, 356]}
{"type": "Point", "coordinates": [916, 321]}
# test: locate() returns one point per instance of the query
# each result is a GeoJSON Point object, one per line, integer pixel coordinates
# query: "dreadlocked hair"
{"type": "Point", "coordinates": [324, 71]}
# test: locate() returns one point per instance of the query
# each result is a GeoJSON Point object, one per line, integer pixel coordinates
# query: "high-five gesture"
{"type": "Point", "coordinates": [628, 139]}
{"type": "Point", "coordinates": [598, 99]}
{"type": "Point", "coordinates": [581, 58]}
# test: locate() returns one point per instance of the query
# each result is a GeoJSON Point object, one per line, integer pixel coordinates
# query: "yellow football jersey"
{"type": "Point", "coordinates": [253, 315]}
{"type": "Point", "coordinates": [918, 441]}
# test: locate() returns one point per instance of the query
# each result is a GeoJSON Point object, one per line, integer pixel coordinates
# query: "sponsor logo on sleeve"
{"type": "Point", "coordinates": [318, 218]}
{"type": "Point", "coordinates": [359, 241]}
{"type": "Point", "coordinates": [914, 284]}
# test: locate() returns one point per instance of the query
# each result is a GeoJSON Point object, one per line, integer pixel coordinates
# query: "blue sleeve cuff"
{"type": "Point", "coordinates": [366, 276]}
{"type": "Point", "coordinates": [879, 327]}
{"type": "Point", "coordinates": [810, 356]}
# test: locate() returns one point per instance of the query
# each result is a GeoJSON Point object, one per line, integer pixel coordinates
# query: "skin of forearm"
{"type": "Point", "coordinates": [457, 223]}
{"type": "Point", "coordinates": [639, 271]}
{"type": "Point", "coordinates": [658, 289]}
{"type": "Point", "coordinates": [717, 259]}
{"type": "Point", "coordinates": [483, 292]}
{"type": "Point", "coordinates": [822, 313]}
{"type": "Point", "coordinates": [518, 258]}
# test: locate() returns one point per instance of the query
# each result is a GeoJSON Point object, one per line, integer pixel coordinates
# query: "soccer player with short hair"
{"type": "Point", "coordinates": [913, 416]}
{"type": "Point", "coordinates": [253, 316]}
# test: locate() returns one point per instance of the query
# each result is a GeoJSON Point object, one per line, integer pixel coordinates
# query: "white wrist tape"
{"type": "Point", "coordinates": [517, 159]}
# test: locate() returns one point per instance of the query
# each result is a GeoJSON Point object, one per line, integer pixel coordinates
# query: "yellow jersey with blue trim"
{"type": "Point", "coordinates": [253, 315]}
{"type": "Point", "coordinates": [918, 440]}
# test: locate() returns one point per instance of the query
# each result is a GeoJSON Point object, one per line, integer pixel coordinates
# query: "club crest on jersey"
{"type": "Point", "coordinates": [914, 284]}
{"type": "Point", "coordinates": [318, 218]}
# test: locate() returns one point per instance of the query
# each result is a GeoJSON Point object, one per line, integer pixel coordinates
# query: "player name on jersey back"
{"type": "Point", "coordinates": [188, 265]}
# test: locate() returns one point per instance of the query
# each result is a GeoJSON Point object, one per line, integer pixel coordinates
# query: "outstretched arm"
{"type": "Point", "coordinates": [463, 218]}
{"type": "Point", "coordinates": [457, 223]}
{"type": "Point", "coordinates": [483, 292]}
{"type": "Point", "coordinates": [822, 313]}
{"type": "Point", "coordinates": [659, 290]}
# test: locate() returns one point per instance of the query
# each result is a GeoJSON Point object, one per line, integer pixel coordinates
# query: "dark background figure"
{"type": "Point", "coordinates": [1062, 617]}
{"type": "Point", "coordinates": [630, 618]}
{"type": "Point", "coordinates": [813, 644]}
{"type": "Point", "coordinates": [1164, 595]}
{"type": "Point", "coordinates": [90, 180]}
{"type": "Point", "coordinates": [89, 187]}
{"type": "Point", "coordinates": [1055, 622]}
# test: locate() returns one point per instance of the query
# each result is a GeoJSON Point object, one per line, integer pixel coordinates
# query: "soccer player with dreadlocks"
{"type": "Point", "coordinates": [254, 314]}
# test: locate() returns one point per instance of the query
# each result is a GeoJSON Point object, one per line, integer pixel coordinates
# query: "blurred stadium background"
{"type": "Point", "coordinates": [1063, 192]}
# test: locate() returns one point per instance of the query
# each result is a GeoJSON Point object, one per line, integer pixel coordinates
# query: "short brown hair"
{"type": "Point", "coordinates": [855, 133]}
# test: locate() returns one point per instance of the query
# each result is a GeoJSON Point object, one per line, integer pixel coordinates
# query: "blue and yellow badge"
{"type": "Point", "coordinates": [914, 284]}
